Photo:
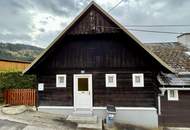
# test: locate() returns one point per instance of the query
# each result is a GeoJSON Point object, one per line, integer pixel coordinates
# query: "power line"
{"type": "Point", "coordinates": [144, 30]}
{"type": "Point", "coordinates": [116, 5]}
{"type": "Point", "coordinates": [154, 31]}
{"type": "Point", "coordinates": [174, 25]}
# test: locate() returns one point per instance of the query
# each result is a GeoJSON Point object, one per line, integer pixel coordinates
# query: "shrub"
{"type": "Point", "coordinates": [16, 80]}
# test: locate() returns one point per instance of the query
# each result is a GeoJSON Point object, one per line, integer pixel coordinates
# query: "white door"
{"type": "Point", "coordinates": [83, 91]}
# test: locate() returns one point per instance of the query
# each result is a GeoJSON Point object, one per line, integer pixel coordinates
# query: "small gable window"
{"type": "Point", "coordinates": [173, 95]}
{"type": "Point", "coordinates": [111, 80]}
{"type": "Point", "coordinates": [61, 80]}
{"type": "Point", "coordinates": [138, 80]}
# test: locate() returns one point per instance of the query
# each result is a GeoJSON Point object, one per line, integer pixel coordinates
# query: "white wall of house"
{"type": "Point", "coordinates": [146, 117]}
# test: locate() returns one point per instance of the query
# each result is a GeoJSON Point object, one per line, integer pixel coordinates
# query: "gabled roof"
{"type": "Point", "coordinates": [114, 21]}
{"type": "Point", "coordinates": [173, 53]}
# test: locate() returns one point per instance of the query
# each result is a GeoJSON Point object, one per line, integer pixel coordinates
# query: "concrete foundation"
{"type": "Point", "coordinates": [146, 117]}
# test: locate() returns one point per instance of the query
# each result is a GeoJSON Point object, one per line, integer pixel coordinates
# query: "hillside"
{"type": "Point", "coordinates": [19, 51]}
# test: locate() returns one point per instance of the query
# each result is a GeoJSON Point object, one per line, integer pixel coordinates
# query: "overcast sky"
{"type": "Point", "coordinates": [38, 22]}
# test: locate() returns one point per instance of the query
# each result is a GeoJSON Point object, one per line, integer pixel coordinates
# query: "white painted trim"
{"type": "Point", "coordinates": [176, 96]}
{"type": "Point", "coordinates": [159, 105]}
{"type": "Point", "coordinates": [89, 76]}
{"type": "Point", "coordinates": [184, 73]}
{"type": "Point", "coordinates": [108, 84]}
{"type": "Point", "coordinates": [102, 108]}
{"type": "Point", "coordinates": [129, 108]}
{"type": "Point", "coordinates": [99, 108]}
{"type": "Point", "coordinates": [141, 76]}
{"type": "Point", "coordinates": [183, 89]}
{"type": "Point", "coordinates": [60, 85]}
{"type": "Point", "coordinates": [56, 107]}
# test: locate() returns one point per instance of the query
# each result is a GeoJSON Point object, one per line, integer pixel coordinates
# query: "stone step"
{"type": "Point", "coordinates": [83, 113]}
{"type": "Point", "coordinates": [83, 119]}
{"type": "Point", "coordinates": [97, 126]}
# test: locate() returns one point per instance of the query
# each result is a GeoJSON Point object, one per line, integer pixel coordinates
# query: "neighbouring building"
{"type": "Point", "coordinates": [12, 65]}
{"type": "Point", "coordinates": [175, 88]}
{"type": "Point", "coordinates": [95, 62]}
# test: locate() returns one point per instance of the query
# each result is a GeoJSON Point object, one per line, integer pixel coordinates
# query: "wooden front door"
{"type": "Point", "coordinates": [83, 92]}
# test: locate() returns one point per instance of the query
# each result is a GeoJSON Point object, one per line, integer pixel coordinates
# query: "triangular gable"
{"type": "Point", "coordinates": [68, 29]}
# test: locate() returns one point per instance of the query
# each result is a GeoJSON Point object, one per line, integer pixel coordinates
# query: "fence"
{"type": "Point", "coordinates": [20, 97]}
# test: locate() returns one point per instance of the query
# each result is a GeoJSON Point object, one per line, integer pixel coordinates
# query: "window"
{"type": "Point", "coordinates": [82, 84]}
{"type": "Point", "coordinates": [138, 80]}
{"type": "Point", "coordinates": [111, 80]}
{"type": "Point", "coordinates": [60, 80]}
{"type": "Point", "coordinates": [173, 95]}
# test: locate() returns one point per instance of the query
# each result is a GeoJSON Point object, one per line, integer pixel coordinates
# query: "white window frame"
{"type": "Point", "coordinates": [59, 85]}
{"type": "Point", "coordinates": [135, 84]}
{"type": "Point", "coordinates": [108, 84]}
{"type": "Point", "coordinates": [176, 95]}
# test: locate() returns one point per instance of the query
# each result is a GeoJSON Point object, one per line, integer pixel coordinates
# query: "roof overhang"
{"type": "Point", "coordinates": [173, 79]}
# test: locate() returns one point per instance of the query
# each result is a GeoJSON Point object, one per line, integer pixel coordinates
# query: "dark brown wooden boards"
{"type": "Point", "coordinates": [98, 55]}
{"type": "Point", "coordinates": [175, 113]}
{"type": "Point", "coordinates": [94, 43]}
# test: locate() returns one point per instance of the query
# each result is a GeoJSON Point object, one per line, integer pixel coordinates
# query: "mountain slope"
{"type": "Point", "coordinates": [19, 51]}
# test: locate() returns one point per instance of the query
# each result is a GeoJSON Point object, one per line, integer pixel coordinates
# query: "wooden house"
{"type": "Point", "coordinates": [97, 62]}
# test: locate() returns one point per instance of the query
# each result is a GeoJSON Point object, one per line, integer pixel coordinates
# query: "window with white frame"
{"type": "Point", "coordinates": [138, 80]}
{"type": "Point", "coordinates": [61, 80]}
{"type": "Point", "coordinates": [173, 95]}
{"type": "Point", "coordinates": [111, 80]}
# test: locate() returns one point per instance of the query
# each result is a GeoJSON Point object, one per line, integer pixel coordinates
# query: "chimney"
{"type": "Point", "coordinates": [184, 39]}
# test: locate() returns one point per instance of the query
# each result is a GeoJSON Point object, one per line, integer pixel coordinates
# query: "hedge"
{"type": "Point", "coordinates": [16, 80]}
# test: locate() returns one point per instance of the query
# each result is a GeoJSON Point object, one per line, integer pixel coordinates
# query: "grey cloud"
{"type": "Point", "coordinates": [16, 21]}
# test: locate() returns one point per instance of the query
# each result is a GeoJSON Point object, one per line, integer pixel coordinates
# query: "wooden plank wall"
{"type": "Point", "coordinates": [12, 66]}
{"type": "Point", "coordinates": [20, 97]}
{"type": "Point", "coordinates": [93, 22]}
{"type": "Point", "coordinates": [123, 95]}
{"type": "Point", "coordinates": [98, 55]}
{"type": "Point", "coordinates": [175, 113]}
{"type": "Point", "coordinates": [99, 51]}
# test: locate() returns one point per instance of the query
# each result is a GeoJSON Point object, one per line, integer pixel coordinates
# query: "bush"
{"type": "Point", "coordinates": [16, 80]}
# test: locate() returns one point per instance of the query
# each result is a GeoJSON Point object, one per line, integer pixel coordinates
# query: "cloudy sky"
{"type": "Point", "coordinates": [38, 22]}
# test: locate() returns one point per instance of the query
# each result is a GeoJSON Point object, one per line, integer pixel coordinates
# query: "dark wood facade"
{"type": "Point", "coordinates": [99, 55]}
{"type": "Point", "coordinates": [124, 95]}
{"type": "Point", "coordinates": [175, 113]}
{"type": "Point", "coordinates": [97, 45]}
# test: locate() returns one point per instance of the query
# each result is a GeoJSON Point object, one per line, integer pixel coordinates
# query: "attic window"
{"type": "Point", "coordinates": [61, 80]}
{"type": "Point", "coordinates": [138, 80]}
{"type": "Point", "coordinates": [173, 95]}
{"type": "Point", "coordinates": [111, 80]}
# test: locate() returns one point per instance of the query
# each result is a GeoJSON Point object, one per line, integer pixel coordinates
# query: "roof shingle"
{"type": "Point", "coordinates": [173, 53]}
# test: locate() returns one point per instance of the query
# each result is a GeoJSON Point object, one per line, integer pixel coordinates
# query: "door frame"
{"type": "Point", "coordinates": [76, 76]}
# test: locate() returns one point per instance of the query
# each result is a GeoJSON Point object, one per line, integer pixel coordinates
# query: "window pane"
{"type": "Point", "coordinates": [172, 93]}
{"type": "Point", "coordinates": [61, 80]}
{"type": "Point", "coordinates": [82, 84]}
{"type": "Point", "coordinates": [137, 79]}
{"type": "Point", "coordinates": [110, 79]}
